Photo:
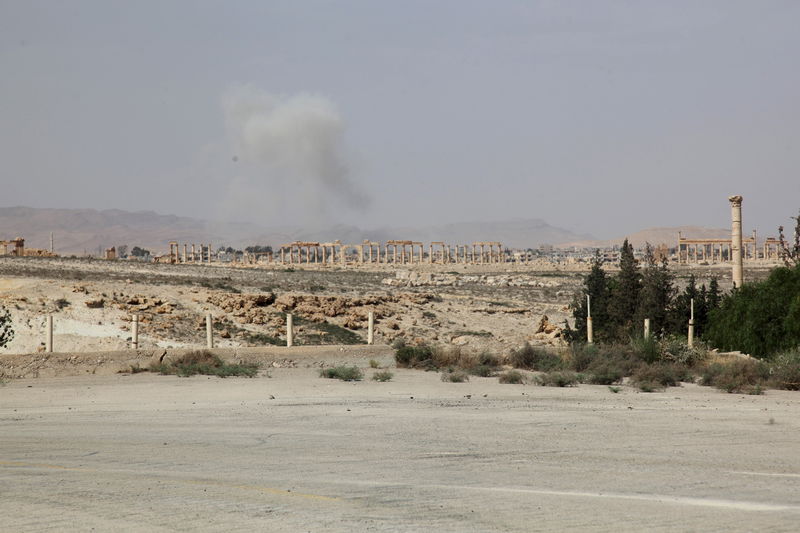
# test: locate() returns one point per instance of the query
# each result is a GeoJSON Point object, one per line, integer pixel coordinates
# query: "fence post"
{"type": "Point", "coordinates": [289, 331]}
{"type": "Point", "coordinates": [371, 328]}
{"type": "Point", "coordinates": [135, 332]}
{"type": "Point", "coordinates": [49, 335]}
{"type": "Point", "coordinates": [209, 332]}
{"type": "Point", "coordinates": [589, 326]}
{"type": "Point", "coordinates": [646, 328]}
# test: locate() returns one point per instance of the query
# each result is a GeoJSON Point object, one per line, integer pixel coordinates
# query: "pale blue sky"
{"type": "Point", "coordinates": [601, 117]}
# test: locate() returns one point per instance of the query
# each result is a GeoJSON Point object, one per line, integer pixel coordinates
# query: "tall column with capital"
{"type": "Point", "coordinates": [736, 239]}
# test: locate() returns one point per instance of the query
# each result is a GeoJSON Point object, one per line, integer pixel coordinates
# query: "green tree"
{"type": "Point", "coordinates": [714, 295]}
{"type": "Point", "coordinates": [790, 252]}
{"type": "Point", "coordinates": [680, 310]}
{"type": "Point", "coordinates": [624, 295]}
{"type": "Point", "coordinates": [760, 319]}
{"type": "Point", "coordinates": [596, 286]}
{"type": "Point", "coordinates": [6, 331]}
{"type": "Point", "coordinates": [655, 294]}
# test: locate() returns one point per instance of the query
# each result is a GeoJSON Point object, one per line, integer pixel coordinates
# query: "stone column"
{"type": "Point", "coordinates": [209, 252]}
{"type": "Point", "coordinates": [289, 331]}
{"type": "Point", "coordinates": [209, 331]}
{"type": "Point", "coordinates": [371, 328]}
{"type": "Point", "coordinates": [49, 334]}
{"type": "Point", "coordinates": [135, 332]}
{"type": "Point", "coordinates": [184, 252]}
{"type": "Point", "coordinates": [736, 239]}
{"type": "Point", "coordinates": [690, 339]}
{"type": "Point", "coordinates": [646, 328]}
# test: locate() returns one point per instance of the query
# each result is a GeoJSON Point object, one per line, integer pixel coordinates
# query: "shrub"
{"type": "Point", "coordinates": [582, 355]}
{"type": "Point", "coordinates": [605, 372]}
{"type": "Point", "coordinates": [374, 364]}
{"type": "Point", "coordinates": [785, 371]}
{"type": "Point", "coordinates": [344, 373]}
{"type": "Point", "coordinates": [675, 350]}
{"type": "Point", "coordinates": [206, 363]}
{"type": "Point", "coordinates": [535, 358]}
{"type": "Point", "coordinates": [646, 349]}
{"type": "Point", "coordinates": [486, 365]}
{"type": "Point", "coordinates": [413, 356]}
{"type": "Point", "coordinates": [658, 376]}
{"type": "Point", "coordinates": [455, 376]}
{"type": "Point", "coordinates": [382, 376]}
{"type": "Point", "coordinates": [483, 371]}
{"type": "Point", "coordinates": [558, 379]}
{"type": "Point", "coordinates": [6, 331]}
{"type": "Point", "coordinates": [512, 377]}
{"type": "Point", "coordinates": [739, 375]}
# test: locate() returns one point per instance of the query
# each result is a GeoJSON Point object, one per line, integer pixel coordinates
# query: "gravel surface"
{"type": "Point", "coordinates": [295, 452]}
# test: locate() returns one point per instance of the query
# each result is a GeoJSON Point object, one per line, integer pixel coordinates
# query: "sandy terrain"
{"type": "Point", "coordinates": [92, 301]}
{"type": "Point", "coordinates": [294, 452]}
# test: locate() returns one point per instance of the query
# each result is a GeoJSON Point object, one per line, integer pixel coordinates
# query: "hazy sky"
{"type": "Point", "coordinates": [598, 116]}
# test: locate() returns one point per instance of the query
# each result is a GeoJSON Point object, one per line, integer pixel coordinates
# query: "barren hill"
{"type": "Point", "coordinates": [79, 231]}
{"type": "Point", "coordinates": [655, 236]}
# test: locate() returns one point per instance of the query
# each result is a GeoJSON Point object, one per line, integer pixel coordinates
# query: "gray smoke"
{"type": "Point", "coordinates": [292, 144]}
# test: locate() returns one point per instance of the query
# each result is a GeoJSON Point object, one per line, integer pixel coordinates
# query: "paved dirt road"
{"type": "Point", "coordinates": [155, 453]}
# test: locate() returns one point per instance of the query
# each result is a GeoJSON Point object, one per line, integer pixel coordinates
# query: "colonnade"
{"type": "Point", "coordinates": [397, 252]}
{"type": "Point", "coordinates": [720, 250]}
{"type": "Point", "coordinates": [199, 253]}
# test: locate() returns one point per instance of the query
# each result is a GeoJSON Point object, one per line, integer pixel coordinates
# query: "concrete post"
{"type": "Point", "coordinates": [209, 331]}
{"type": "Point", "coordinates": [49, 334]}
{"type": "Point", "coordinates": [289, 331]}
{"type": "Point", "coordinates": [135, 332]}
{"type": "Point", "coordinates": [646, 328]}
{"type": "Point", "coordinates": [690, 339]}
{"type": "Point", "coordinates": [589, 325]}
{"type": "Point", "coordinates": [736, 239]}
{"type": "Point", "coordinates": [371, 328]}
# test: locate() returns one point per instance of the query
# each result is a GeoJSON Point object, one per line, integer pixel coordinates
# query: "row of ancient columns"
{"type": "Point", "coordinates": [393, 252]}
{"type": "Point", "coordinates": [477, 253]}
{"type": "Point", "coordinates": [720, 252]}
{"type": "Point", "coordinates": [198, 254]}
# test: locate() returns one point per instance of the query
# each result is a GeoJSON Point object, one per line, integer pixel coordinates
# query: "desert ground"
{"type": "Point", "coordinates": [86, 447]}
{"type": "Point", "coordinates": [494, 308]}
{"type": "Point", "coordinates": [296, 452]}
{"type": "Point", "coordinates": [92, 302]}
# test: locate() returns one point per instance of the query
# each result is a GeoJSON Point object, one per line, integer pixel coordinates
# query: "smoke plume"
{"type": "Point", "coordinates": [290, 146]}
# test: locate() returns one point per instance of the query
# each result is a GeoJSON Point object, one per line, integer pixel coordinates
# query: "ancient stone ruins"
{"type": "Point", "coordinates": [392, 252]}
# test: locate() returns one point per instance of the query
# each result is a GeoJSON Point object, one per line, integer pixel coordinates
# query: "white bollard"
{"type": "Point", "coordinates": [209, 332]}
{"type": "Point", "coordinates": [646, 328]}
{"type": "Point", "coordinates": [289, 331]}
{"type": "Point", "coordinates": [589, 330]}
{"type": "Point", "coordinates": [49, 337]}
{"type": "Point", "coordinates": [135, 332]}
{"type": "Point", "coordinates": [371, 328]}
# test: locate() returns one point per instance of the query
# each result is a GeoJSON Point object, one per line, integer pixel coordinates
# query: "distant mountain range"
{"type": "Point", "coordinates": [78, 231]}
{"type": "Point", "coordinates": [654, 236]}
